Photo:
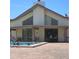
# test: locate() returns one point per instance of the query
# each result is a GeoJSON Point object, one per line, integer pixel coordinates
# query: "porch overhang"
{"type": "Point", "coordinates": [37, 26]}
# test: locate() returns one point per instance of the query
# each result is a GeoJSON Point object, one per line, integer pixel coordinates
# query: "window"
{"type": "Point", "coordinates": [27, 35]}
{"type": "Point", "coordinates": [54, 22]}
{"type": "Point", "coordinates": [28, 21]}
{"type": "Point", "coordinates": [50, 21]}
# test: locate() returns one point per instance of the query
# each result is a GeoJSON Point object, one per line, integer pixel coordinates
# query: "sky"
{"type": "Point", "coordinates": [17, 7]}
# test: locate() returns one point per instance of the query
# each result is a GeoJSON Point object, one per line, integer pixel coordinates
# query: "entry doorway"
{"type": "Point", "coordinates": [27, 35]}
{"type": "Point", "coordinates": [51, 35]}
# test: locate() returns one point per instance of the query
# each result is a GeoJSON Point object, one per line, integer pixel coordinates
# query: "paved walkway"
{"type": "Point", "coordinates": [47, 51]}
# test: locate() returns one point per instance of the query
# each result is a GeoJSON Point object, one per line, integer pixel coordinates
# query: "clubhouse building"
{"type": "Point", "coordinates": [40, 24]}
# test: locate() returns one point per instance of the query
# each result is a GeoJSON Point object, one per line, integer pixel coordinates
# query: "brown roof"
{"type": "Point", "coordinates": [30, 9]}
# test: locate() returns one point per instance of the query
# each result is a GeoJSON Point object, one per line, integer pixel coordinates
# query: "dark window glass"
{"type": "Point", "coordinates": [27, 35]}
{"type": "Point", "coordinates": [50, 21]}
{"type": "Point", "coordinates": [54, 22]}
{"type": "Point", "coordinates": [28, 21]}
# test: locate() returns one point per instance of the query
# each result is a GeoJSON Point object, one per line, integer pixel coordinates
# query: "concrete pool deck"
{"type": "Point", "coordinates": [47, 51]}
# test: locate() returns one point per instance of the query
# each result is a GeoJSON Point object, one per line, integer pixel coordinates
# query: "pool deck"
{"type": "Point", "coordinates": [47, 51]}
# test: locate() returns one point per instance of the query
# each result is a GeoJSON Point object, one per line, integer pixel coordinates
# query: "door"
{"type": "Point", "coordinates": [51, 35]}
{"type": "Point", "coordinates": [27, 35]}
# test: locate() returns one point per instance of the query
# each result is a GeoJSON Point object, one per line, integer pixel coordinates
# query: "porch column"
{"type": "Point", "coordinates": [32, 34]}
{"type": "Point", "coordinates": [66, 32]}
{"type": "Point", "coordinates": [41, 34]}
{"type": "Point", "coordinates": [13, 33]}
{"type": "Point", "coordinates": [19, 33]}
{"type": "Point", "coordinates": [61, 34]}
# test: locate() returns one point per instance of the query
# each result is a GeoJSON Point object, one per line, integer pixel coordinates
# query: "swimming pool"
{"type": "Point", "coordinates": [22, 43]}
{"type": "Point", "coordinates": [26, 44]}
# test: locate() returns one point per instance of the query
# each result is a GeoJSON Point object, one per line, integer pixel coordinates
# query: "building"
{"type": "Point", "coordinates": [40, 24]}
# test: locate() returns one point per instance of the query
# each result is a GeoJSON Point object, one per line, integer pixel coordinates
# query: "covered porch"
{"type": "Point", "coordinates": [30, 33]}
{"type": "Point", "coordinates": [27, 33]}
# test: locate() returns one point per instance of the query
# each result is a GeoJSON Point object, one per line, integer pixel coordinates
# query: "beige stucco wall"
{"type": "Point", "coordinates": [67, 39]}
{"type": "Point", "coordinates": [41, 34]}
{"type": "Point", "coordinates": [61, 34]}
{"type": "Point", "coordinates": [19, 33]}
{"type": "Point", "coordinates": [38, 16]}
{"type": "Point", "coordinates": [68, 32]}
{"type": "Point", "coordinates": [13, 34]}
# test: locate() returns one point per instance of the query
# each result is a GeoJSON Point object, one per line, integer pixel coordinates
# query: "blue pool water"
{"type": "Point", "coordinates": [22, 43]}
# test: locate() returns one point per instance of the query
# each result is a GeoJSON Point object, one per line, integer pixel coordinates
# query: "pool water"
{"type": "Point", "coordinates": [22, 43]}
